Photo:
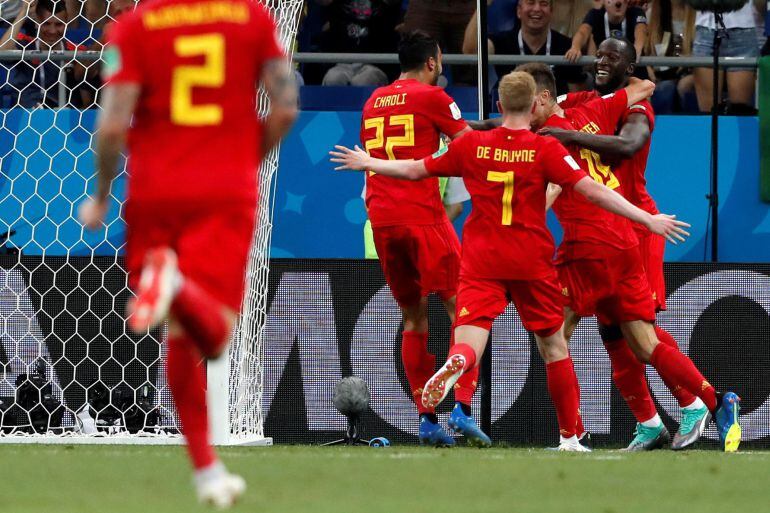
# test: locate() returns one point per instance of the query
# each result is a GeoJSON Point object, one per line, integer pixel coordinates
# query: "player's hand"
{"type": "Point", "coordinates": [92, 213]}
{"type": "Point", "coordinates": [562, 135]}
{"type": "Point", "coordinates": [669, 227]}
{"type": "Point", "coordinates": [353, 160]}
{"type": "Point", "coordinates": [573, 54]}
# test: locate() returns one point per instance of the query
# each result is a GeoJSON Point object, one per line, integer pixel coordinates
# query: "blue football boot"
{"type": "Point", "coordinates": [726, 418]}
{"type": "Point", "coordinates": [464, 425]}
{"type": "Point", "coordinates": [434, 434]}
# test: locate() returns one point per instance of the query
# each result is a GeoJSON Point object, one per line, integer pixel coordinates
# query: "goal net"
{"type": "Point", "coordinates": [69, 368]}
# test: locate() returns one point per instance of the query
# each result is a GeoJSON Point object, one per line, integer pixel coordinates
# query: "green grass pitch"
{"type": "Point", "coordinates": [289, 479]}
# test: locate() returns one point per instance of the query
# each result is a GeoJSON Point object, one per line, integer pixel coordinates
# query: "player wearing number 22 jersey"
{"type": "Point", "coordinates": [187, 71]}
{"type": "Point", "coordinates": [418, 248]}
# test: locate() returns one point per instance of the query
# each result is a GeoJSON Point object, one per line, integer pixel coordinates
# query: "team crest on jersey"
{"type": "Point", "coordinates": [112, 60]}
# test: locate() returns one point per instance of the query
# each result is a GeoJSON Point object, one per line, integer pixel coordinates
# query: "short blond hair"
{"type": "Point", "coordinates": [517, 92]}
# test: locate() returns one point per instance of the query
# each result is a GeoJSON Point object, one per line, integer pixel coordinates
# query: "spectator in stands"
{"type": "Point", "coordinates": [35, 83]}
{"type": "Point", "coordinates": [445, 21]}
{"type": "Point", "coordinates": [671, 31]}
{"type": "Point", "coordinates": [568, 14]}
{"type": "Point", "coordinates": [741, 41]}
{"type": "Point", "coordinates": [614, 19]}
{"type": "Point", "coordinates": [359, 26]}
{"type": "Point", "coordinates": [535, 37]}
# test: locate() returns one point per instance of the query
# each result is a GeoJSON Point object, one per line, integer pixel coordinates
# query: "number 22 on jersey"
{"type": "Point", "coordinates": [186, 77]}
{"type": "Point", "coordinates": [392, 142]}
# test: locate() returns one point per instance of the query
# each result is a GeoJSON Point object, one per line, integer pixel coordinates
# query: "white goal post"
{"type": "Point", "coordinates": [70, 372]}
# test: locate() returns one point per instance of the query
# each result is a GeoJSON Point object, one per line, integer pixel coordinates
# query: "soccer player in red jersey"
{"type": "Point", "coordinates": [418, 248]}
{"type": "Point", "coordinates": [599, 263]}
{"type": "Point", "coordinates": [629, 149]}
{"type": "Point", "coordinates": [187, 72]}
{"type": "Point", "coordinates": [507, 249]}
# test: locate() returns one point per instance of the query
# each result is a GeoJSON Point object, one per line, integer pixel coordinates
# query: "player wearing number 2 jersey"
{"type": "Point", "coordinates": [418, 248]}
{"type": "Point", "coordinates": [188, 71]}
{"type": "Point", "coordinates": [507, 249]}
{"type": "Point", "coordinates": [602, 272]}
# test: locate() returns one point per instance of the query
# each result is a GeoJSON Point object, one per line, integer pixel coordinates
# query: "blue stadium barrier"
{"type": "Point", "coordinates": [47, 167]}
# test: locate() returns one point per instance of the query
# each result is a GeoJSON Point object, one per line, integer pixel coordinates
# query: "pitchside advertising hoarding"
{"type": "Point", "coordinates": [333, 318]}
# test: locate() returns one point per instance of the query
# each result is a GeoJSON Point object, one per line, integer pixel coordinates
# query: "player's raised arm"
{"type": "Point", "coordinates": [662, 224]}
{"type": "Point", "coordinates": [358, 160]}
{"type": "Point", "coordinates": [638, 90]}
{"type": "Point", "coordinates": [281, 88]}
{"type": "Point", "coordinates": [118, 104]}
{"type": "Point", "coordinates": [634, 134]}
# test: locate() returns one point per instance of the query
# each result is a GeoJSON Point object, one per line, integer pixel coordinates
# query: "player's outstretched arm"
{"type": "Point", "coordinates": [639, 90]}
{"type": "Point", "coordinates": [634, 134]}
{"type": "Point", "coordinates": [118, 104]}
{"type": "Point", "coordinates": [662, 224]}
{"type": "Point", "coordinates": [281, 88]}
{"type": "Point", "coordinates": [358, 160]}
{"type": "Point", "coordinates": [485, 124]}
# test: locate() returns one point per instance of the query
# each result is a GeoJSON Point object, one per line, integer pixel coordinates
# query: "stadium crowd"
{"type": "Point", "coordinates": [529, 27]}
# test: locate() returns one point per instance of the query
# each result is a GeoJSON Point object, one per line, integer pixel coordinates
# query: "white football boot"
{"type": "Point", "coordinates": [157, 286]}
{"type": "Point", "coordinates": [221, 490]}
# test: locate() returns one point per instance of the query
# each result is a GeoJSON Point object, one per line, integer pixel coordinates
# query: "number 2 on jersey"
{"type": "Point", "coordinates": [185, 77]}
{"type": "Point", "coordinates": [506, 178]}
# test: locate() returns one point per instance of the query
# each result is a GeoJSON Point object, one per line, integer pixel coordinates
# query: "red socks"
{"type": "Point", "coordinates": [579, 427]}
{"type": "Point", "coordinates": [561, 386]}
{"type": "Point", "coordinates": [678, 370]}
{"type": "Point", "coordinates": [201, 316]}
{"type": "Point", "coordinates": [628, 376]}
{"type": "Point", "coordinates": [683, 396]}
{"type": "Point", "coordinates": [186, 379]}
{"type": "Point", "coordinates": [467, 352]}
{"type": "Point", "coordinates": [468, 382]}
{"type": "Point", "coordinates": [419, 365]}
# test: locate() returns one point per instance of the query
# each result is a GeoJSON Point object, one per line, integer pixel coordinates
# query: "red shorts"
{"type": "Point", "coordinates": [418, 260]}
{"type": "Point", "coordinates": [652, 247]}
{"type": "Point", "coordinates": [539, 303]}
{"type": "Point", "coordinates": [613, 286]}
{"type": "Point", "coordinates": [212, 242]}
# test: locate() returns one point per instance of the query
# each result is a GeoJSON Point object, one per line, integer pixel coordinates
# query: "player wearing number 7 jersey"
{"type": "Point", "coordinates": [187, 71]}
{"type": "Point", "coordinates": [418, 247]}
{"type": "Point", "coordinates": [507, 249]}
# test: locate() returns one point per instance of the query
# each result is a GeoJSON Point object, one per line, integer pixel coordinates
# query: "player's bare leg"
{"type": "Point", "coordinates": [419, 364]}
{"type": "Point", "coordinates": [679, 370]}
{"type": "Point", "coordinates": [199, 329]}
{"type": "Point", "coordinates": [561, 378]}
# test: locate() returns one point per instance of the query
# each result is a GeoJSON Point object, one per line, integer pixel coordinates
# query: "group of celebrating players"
{"type": "Point", "coordinates": [180, 90]}
{"type": "Point", "coordinates": [545, 151]}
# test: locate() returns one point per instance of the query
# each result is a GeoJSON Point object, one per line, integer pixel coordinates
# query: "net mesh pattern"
{"type": "Point", "coordinates": [68, 365]}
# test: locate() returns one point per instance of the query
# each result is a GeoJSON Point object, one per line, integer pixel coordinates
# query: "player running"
{"type": "Point", "coordinates": [507, 250]}
{"type": "Point", "coordinates": [418, 248]}
{"type": "Point", "coordinates": [630, 148]}
{"type": "Point", "coordinates": [599, 263]}
{"type": "Point", "coordinates": [187, 72]}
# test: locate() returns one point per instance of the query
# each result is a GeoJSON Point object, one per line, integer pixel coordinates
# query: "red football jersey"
{"type": "Point", "coordinates": [404, 121]}
{"type": "Point", "coordinates": [195, 132]}
{"type": "Point", "coordinates": [506, 173]}
{"type": "Point", "coordinates": [581, 220]}
{"type": "Point", "coordinates": [631, 171]}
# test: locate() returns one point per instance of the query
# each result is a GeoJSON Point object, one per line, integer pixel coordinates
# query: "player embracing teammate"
{"type": "Point", "coordinates": [603, 270]}
{"type": "Point", "coordinates": [507, 251]}
{"type": "Point", "coordinates": [418, 248]}
{"type": "Point", "coordinates": [187, 72]}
